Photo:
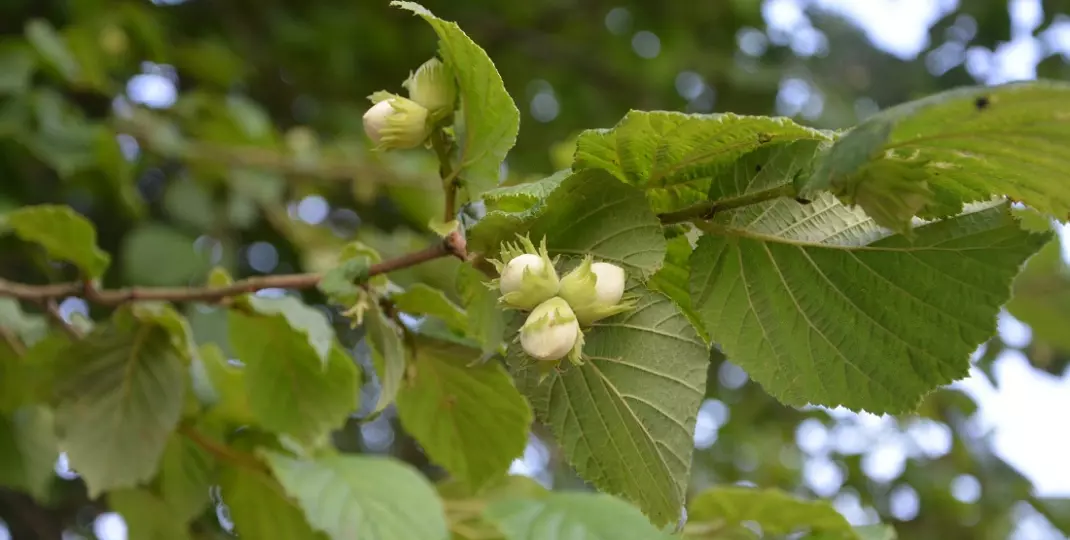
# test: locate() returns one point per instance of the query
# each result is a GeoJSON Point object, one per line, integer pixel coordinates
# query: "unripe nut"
{"type": "Point", "coordinates": [609, 288]}
{"type": "Point", "coordinates": [551, 331]}
{"type": "Point", "coordinates": [513, 276]}
{"type": "Point", "coordinates": [595, 290]}
{"type": "Point", "coordinates": [527, 277]}
{"type": "Point", "coordinates": [396, 123]}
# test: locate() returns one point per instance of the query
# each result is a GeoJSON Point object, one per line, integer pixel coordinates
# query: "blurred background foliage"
{"type": "Point", "coordinates": [196, 133]}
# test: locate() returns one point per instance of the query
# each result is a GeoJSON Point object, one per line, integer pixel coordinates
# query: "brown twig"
{"type": "Point", "coordinates": [452, 245]}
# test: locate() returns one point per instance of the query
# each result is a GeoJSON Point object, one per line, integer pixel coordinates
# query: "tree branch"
{"type": "Point", "coordinates": [707, 209]}
{"type": "Point", "coordinates": [452, 245]}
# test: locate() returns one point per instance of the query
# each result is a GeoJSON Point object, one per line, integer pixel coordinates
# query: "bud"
{"type": "Point", "coordinates": [433, 87]}
{"type": "Point", "coordinates": [528, 277]}
{"type": "Point", "coordinates": [595, 291]}
{"type": "Point", "coordinates": [551, 332]}
{"type": "Point", "coordinates": [396, 123]}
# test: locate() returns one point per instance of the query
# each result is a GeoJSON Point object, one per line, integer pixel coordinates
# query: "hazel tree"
{"type": "Point", "coordinates": [856, 268]}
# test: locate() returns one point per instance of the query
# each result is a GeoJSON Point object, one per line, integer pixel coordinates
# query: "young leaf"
{"type": "Point", "coordinates": [291, 390]}
{"type": "Point", "coordinates": [777, 512]}
{"type": "Point", "coordinates": [489, 120]}
{"type": "Point", "coordinates": [626, 417]}
{"type": "Point", "coordinates": [486, 320]}
{"type": "Point", "coordinates": [591, 212]}
{"type": "Point", "coordinates": [419, 299]}
{"type": "Point", "coordinates": [147, 516]}
{"type": "Point", "coordinates": [118, 402]}
{"type": "Point", "coordinates": [470, 420]}
{"type": "Point", "coordinates": [260, 508]}
{"type": "Point", "coordinates": [187, 472]}
{"type": "Point", "coordinates": [28, 450]}
{"type": "Point", "coordinates": [370, 497]}
{"type": "Point", "coordinates": [931, 156]}
{"type": "Point", "coordinates": [821, 306]}
{"type": "Point", "coordinates": [301, 317]}
{"type": "Point", "coordinates": [388, 355]}
{"type": "Point", "coordinates": [673, 155]}
{"type": "Point", "coordinates": [63, 233]}
{"type": "Point", "coordinates": [571, 516]}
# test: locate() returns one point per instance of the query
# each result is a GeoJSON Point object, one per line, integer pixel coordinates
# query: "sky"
{"type": "Point", "coordinates": [1035, 443]}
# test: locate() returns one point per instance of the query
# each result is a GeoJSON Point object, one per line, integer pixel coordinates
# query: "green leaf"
{"type": "Point", "coordinates": [471, 420]}
{"type": "Point", "coordinates": [370, 497]}
{"type": "Point", "coordinates": [591, 212]}
{"type": "Point", "coordinates": [28, 379]}
{"type": "Point", "coordinates": [521, 197]}
{"type": "Point", "coordinates": [419, 299]}
{"type": "Point", "coordinates": [187, 472]}
{"type": "Point", "coordinates": [291, 390]}
{"type": "Point", "coordinates": [118, 402]}
{"type": "Point", "coordinates": [488, 122]}
{"type": "Point", "coordinates": [821, 306]}
{"type": "Point", "coordinates": [626, 417]}
{"type": "Point", "coordinates": [224, 394]}
{"type": "Point", "coordinates": [63, 233]}
{"type": "Point", "coordinates": [486, 320]}
{"type": "Point", "coordinates": [388, 355]}
{"type": "Point", "coordinates": [301, 317]}
{"type": "Point", "coordinates": [260, 508]}
{"type": "Point", "coordinates": [777, 512]}
{"type": "Point", "coordinates": [52, 48]}
{"type": "Point", "coordinates": [27, 327]}
{"type": "Point", "coordinates": [147, 516]}
{"type": "Point", "coordinates": [674, 155]}
{"type": "Point", "coordinates": [28, 450]}
{"type": "Point", "coordinates": [571, 516]}
{"type": "Point", "coordinates": [475, 526]}
{"type": "Point", "coordinates": [673, 280]}
{"type": "Point", "coordinates": [929, 157]}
